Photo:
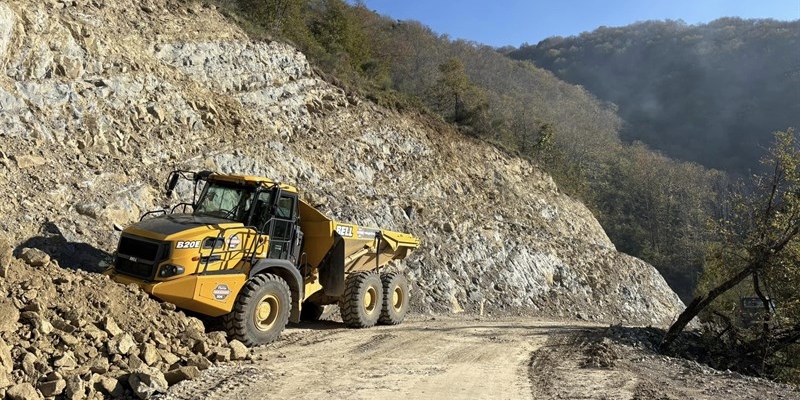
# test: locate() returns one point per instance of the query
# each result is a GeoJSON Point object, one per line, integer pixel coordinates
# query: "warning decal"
{"type": "Point", "coordinates": [221, 292]}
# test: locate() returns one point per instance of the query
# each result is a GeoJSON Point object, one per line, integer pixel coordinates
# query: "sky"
{"type": "Point", "coordinates": [514, 22]}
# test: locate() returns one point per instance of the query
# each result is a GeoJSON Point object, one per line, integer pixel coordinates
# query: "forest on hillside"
{"type": "Point", "coordinates": [710, 93]}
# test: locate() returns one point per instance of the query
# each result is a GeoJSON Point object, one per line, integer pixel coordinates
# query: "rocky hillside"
{"type": "Point", "coordinates": [99, 99]}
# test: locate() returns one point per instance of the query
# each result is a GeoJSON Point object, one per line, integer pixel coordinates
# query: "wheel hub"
{"type": "Point", "coordinates": [370, 298]}
{"type": "Point", "coordinates": [397, 298]}
{"type": "Point", "coordinates": [266, 312]}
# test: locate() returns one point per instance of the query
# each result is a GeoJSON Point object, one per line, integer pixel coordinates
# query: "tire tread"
{"type": "Point", "coordinates": [236, 322]}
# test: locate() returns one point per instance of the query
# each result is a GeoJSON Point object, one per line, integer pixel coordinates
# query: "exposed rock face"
{"type": "Point", "coordinates": [100, 99]}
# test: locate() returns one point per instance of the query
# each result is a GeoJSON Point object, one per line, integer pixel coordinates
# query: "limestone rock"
{"type": "Point", "coordinates": [202, 347]}
{"type": "Point", "coordinates": [28, 162]}
{"type": "Point", "coordinates": [6, 256]}
{"type": "Point", "coordinates": [149, 354]}
{"type": "Point", "coordinates": [181, 374]}
{"type": "Point", "coordinates": [10, 316]}
{"type": "Point", "coordinates": [66, 361]}
{"type": "Point", "coordinates": [29, 364]}
{"type": "Point", "coordinates": [111, 386]}
{"type": "Point", "coordinates": [5, 379]}
{"type": "Point", "coordinates": [168, 357]}
{"type": "Point", "coordinates": [52, 388]}
{"type": "Point", "coordinates": [6, 362]}
{"type": "Point", "coordinates": [147, 382]}
{"type": "Point", "coordinates": [99, 365]}
{"type": "Point", "coordinates": [218, 337]}
{"type": "Point", "coordinates": [34, 257]}
{"type": "Point", "coordinates": [22, 391]}
{"type": "Point", "coordinates": [111, 326]}
{"type": "Point", "coordinates": [222, 354]}
{"type": "Point", "coordinates": [199, 361]}
{"type": "Point", "coordinates": [76, 388]}
{"type": "Point", "coordinates": [122, 344]}
{"type": "Point", "coordinates": [238, 350]}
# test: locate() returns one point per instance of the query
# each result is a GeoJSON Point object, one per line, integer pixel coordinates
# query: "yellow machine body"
{"type": "Point", "coordinates": [201, 263]}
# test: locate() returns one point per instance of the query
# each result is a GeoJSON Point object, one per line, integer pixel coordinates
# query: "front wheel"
{"type": "Point", "coordinates": [261, 311]}
{"type": "Point", "coordinates": [395, 298]}
{"type": "Point", "coordinates": [361, 303]}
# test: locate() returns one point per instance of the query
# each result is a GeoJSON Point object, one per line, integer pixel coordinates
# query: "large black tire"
{"type": "Point", "coordinates": [311, 312]}
{"type": "Point", "coordinates": [261, 311]}
{"type": "Point", "coordinates": [361, 303]}
{"type": "Point", "coordinates": [395, 298]}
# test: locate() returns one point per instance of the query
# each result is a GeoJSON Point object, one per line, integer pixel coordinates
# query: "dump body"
{"type": "Point", "coordinates": [243, 226]}
{"type": "Point", "coordinates": [362, 245]}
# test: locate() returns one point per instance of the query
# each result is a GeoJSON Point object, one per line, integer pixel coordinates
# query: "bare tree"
{"type": "Point", "coordinates": [761, 233]}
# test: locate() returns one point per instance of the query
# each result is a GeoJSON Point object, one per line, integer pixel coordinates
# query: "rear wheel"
{"type": "Point", "coordinates": [395, 298]}
{"type": "Point", "coordinates": [261, 311]}
{"type": "Point", "coordinates": [361, 303]}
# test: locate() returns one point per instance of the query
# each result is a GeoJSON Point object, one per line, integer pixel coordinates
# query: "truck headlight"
{"type": "Point", "coordinates": [170, 270]}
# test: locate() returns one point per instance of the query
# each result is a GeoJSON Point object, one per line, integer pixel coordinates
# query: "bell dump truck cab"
{"type": "Point", "coordinates": [249, 250]}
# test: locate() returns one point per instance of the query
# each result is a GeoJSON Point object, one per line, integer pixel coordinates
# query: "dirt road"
{"type": "Point", "coordinates": [463, 358]}
{"type": "Point", "coordinates": [421, 359]}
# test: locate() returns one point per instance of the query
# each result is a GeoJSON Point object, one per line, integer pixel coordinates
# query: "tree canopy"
{"type": "Point", "coordinates": [709, 93]}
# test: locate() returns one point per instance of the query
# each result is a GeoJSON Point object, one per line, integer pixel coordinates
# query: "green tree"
{"type": "Point", "coordinates": [336, 27]}
{"type": "Point", "coordinates": [457, 98]}
{"type": "Point", "coordinates": [759, 241]}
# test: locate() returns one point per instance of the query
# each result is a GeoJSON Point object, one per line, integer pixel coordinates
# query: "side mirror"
{"type": "Point", "coordinates": [173, 181]}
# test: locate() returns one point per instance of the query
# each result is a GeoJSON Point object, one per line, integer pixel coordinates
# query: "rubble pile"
{"type": "Point", "coordinates": [73, 334]}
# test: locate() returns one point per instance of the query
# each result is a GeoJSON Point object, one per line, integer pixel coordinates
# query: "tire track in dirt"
{"type": "Point", "coordinates": [452, 358]}
{"type": "Point", "coordinates": [557, 371]}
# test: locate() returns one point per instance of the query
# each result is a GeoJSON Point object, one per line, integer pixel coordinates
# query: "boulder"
{"type": "Point", "coordinates": [110, 326]}
{"type": "Point", "coordinates": [66, 361]}
{"type": "Point", "coordinates": [76, 388]}
{"type": "Point", "coordinates": [5, 379]}
{"type": "Point", "coordinates": [10, 313]}
{"type": "Point", "coordinates": [238, 350]}
{"type": "Point", "coordinates": [222, 354]}
{"type": "Point", "coordinates": [147, 382]}
{"type": "Point", "coordinates": [199, 361]}
{"type": "Point", "coordinates": [6, 257]}
{"type": "Point", "coordinates": [22, 391]}
{"type": "Point", "coordinates": [6, 362]}
{"type": "Point", "coordinates": [181, 374]}
{"type": "Point", "coordinates": [52, 388]}
{"type": "Point", "coordinates": [149, 354]}
{"type": "Point", "coordinates": [34, 257]}
{"type": "Point", "coordinates": [110, 386]}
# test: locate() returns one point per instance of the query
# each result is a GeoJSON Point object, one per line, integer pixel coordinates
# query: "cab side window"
{"type": "Point", "coordinates": [261, 212]}
{"type": "Point", "coordinates": [285, 205]}
{"type": "Point", "coordinates": [282, 227]}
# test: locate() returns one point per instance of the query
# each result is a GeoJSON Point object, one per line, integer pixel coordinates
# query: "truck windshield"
{"type": "Point", "coordinates": [230, 202]}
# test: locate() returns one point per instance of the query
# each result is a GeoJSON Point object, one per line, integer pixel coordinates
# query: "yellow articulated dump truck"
{"type": "Point", "coordinates": [252, 252]}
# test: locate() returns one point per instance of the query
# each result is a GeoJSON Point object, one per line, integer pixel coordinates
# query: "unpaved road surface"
{"type": "Point", "coordinates": [465, 358]}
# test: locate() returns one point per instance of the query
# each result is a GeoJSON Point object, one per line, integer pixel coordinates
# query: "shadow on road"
{"type": "Point", "coordinates": [318, 325]}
